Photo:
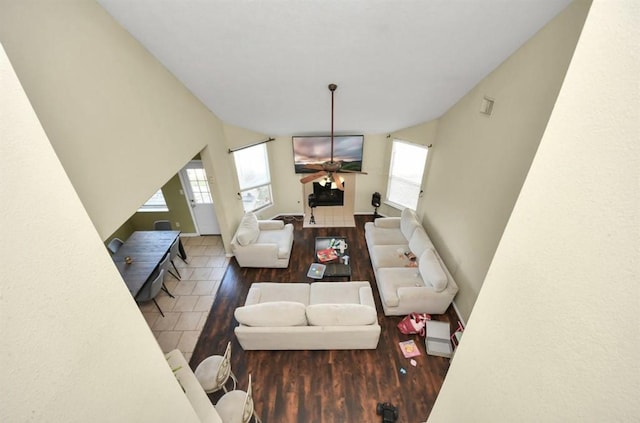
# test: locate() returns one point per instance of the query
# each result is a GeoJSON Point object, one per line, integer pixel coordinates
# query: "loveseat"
{"type": "Point", "coordinates": [262, 243]}
{"type": "Point", "coordinates": [308, 316]}
{"type": "Point", "coordinates": [420, 285]}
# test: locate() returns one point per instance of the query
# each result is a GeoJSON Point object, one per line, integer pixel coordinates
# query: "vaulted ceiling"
{"type": "Point", "coordinates": [265, 65]}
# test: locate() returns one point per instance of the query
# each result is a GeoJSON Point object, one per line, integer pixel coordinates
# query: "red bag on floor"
{"type": "Point", "coordinates": [414, 323]}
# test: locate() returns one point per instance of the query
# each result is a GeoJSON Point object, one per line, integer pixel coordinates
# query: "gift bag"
{"type": "Point", "coordinates": [414, 323]}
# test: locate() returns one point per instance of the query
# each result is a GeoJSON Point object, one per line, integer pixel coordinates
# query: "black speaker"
{"type": "Point", "coordinates": [375, 199]}
{"type": "Point", "coordinates": [312, 200]}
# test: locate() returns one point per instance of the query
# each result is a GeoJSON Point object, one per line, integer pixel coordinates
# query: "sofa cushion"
{"type": "Point", "coordinates": [281, 238]}
{"type": "Point", "coordinates": [431, 271]}
{"type": "Point", "coordinates": [248, 231]}
{"type": "Point", "coordinates": [272, 314]}
{"type": "Point", "coordinates": [335, 292]}
{"type": "Point", "coordinates": [419, 242]}
{"type": "Point", "coordinates": [390, 279]}
{"type": "Point", "coordinates": [389, 256]}
{"type": "Point", "coordinates": [408, 223]}
{"type": "Point", "coordinates": [264, 292]}
{"type": "Point", "coordinates": [377, 235]}
{"type": "Point", "coordinates": [341, 315]}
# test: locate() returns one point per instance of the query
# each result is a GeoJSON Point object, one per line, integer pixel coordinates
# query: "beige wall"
{"type": "Point", "coordinates": [289, 192]}
{"type": "Point", "coordinates": [554, 334]}
{"type": "Point", "coordinates": [178, 210]}
{"type": "Point", "coordinates": [478, 163]}
{"type": "Point", "coordinates": [74, 346]}
{"type": "Point", "coordinates": [119, 122]}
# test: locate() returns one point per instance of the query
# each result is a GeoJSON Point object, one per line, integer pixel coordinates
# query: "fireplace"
{"type": "Point", "coordinates": [338, 205]}
{"type": "Point", "coordinates": [326, 196]}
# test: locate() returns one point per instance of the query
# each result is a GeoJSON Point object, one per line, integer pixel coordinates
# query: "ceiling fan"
{"type": "Point", "coordinates": [329, 168]}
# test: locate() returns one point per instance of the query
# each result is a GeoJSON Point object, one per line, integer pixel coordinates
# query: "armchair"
{"type": "Point", "coordinates": [262, 243]}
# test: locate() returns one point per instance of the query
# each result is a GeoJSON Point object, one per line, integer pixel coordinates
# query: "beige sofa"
{"type": "Point", "coordinates": [428, 287]}
{"type": "Point", "coordinates": [262, 243]}
{"type": "Point", "coordinates": [308, 316]}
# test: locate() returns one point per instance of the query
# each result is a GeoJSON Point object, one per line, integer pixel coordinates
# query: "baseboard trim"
{"type": "Point", "coordinates": [455, 308]}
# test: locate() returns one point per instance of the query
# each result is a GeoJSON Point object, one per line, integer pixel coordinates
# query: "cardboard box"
{"type": "Point", "coordinates": [437, 340]}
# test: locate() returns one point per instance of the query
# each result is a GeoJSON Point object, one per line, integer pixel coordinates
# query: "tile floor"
{"type": "Point", "coordinates": [186, 314]}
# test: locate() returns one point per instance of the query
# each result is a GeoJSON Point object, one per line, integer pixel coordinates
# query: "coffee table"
{"type": "Point", "coordinates": [335, 268]}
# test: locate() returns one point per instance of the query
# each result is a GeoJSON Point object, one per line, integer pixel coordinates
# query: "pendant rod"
{"type": "Point", "coordinates": [332, 88]}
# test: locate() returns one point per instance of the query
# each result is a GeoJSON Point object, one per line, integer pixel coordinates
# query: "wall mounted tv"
{"type": "Point", "coordinates": [308, 150]}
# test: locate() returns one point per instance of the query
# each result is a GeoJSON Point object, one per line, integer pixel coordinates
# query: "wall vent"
{"type": "Point", "coordinates": [487, 106]}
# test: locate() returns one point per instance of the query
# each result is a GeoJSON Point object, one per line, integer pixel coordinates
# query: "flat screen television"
{"type": "Point", "coordinates": [309, 150]}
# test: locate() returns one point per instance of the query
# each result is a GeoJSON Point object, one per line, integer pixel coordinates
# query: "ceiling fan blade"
{"type": "Point", "coordinates": [314, 166]}
{"type": "Point", "coordinates": [313, 177]}
{"type": "Point", "coordinates": [338, 182]}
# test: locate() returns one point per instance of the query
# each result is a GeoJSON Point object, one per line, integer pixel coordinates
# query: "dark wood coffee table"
{"type": "Point", "coordinates": [335, 268]}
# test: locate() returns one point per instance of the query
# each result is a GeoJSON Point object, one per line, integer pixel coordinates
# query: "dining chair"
{"type": "Point", "coordinates": [237, 406]}
{"type": "Point", "coordinates": [114, 245]}
{"type": "Point", "coordinates": [165, 225]}
{"type": "Point", "coordinates": [162, 225]}
{"type": "Point", "coordinates": [173, 253]}
{"type": "Point", "coordinates": [214, 372]}
{"type": "Point", "coordinates": [151, 290]}
{"type": "Point", "coordinates": [164, 265]}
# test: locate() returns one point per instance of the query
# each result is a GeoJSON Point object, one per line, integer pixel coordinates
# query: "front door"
{"type": "Point", "coordinates": [196, 186]}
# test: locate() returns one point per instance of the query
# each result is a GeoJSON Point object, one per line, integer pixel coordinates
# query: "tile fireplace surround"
{"type": "Point", "coordinates": [332, 216]}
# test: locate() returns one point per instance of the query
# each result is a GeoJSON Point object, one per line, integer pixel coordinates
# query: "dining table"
{"type": "Point", "coordinates": [140, 255]}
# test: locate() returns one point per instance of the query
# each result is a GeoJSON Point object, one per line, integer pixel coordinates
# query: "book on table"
{"type": "Point", "coordinates": [327, 254]}
{"type": "Point", "coordinates": [316, 271]}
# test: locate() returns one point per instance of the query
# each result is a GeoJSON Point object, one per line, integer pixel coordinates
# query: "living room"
{"type": "Point", "coordinates": [103, 203]}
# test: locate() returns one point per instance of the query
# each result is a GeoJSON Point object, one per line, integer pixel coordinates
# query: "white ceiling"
{"type": "Point", "coordinates": [265, 65]}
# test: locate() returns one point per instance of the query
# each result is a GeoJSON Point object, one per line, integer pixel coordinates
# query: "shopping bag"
{"type": "Point", "coordinates": [414, 323]}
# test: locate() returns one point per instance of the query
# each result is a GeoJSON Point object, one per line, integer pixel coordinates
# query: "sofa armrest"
{"type": "Point", "coordinates": [257, 255]}
{"type": "Point", "coordinates": [387, 222]}
{"type": "Point", "coordinates": [366, 296]}
{"type": "Point", "coordinates": [270, 225]}
{"type": "Point", "coordinates": [266, 250]}
{"type": "Point", "coordinates": [417, 297]}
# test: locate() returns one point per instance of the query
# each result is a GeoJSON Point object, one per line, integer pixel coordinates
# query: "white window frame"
{"type": "Point", "coordinates": [156, 203]}
{"type": "Point", "coordinates": [395, 180]}
{"type": "Point", "coordinates": [264, 181]}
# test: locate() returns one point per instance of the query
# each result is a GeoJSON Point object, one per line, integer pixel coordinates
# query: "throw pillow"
{"type": "Point", "coordinates": [408, 222]}
{"type": "Point", "coordinates": [272, 314]}
{"type": "Point", "coordinates": [248, 231]}
{"type": "Point", "coordinates": [431, 271]}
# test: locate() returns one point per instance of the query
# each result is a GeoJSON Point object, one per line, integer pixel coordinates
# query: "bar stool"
{"type": "Point", "coordinates": [214, 372]}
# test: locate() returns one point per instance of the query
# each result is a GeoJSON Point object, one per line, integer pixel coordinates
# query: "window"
{"type": "Point", "coordinates": [252, 165]}
{"type": "Point", "coordinates": [405, 173]}
{"type": "Point", "coordinates": [197, 178]}
{"type": "Point", "coordinates": [155, 204]}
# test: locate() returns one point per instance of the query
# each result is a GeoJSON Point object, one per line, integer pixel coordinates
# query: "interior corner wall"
{"type": "Point", "coordinates": [479, 163]}
{"type": "Point", "coordinates": [74, 346]}
{"type": "Point", "coordinates": [554, 334]}
{"type": "Point", "coordinates": [120, 123]}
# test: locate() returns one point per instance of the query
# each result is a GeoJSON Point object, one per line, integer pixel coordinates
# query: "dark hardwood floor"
{"type": "Point", "coordinates": [323, 386]}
